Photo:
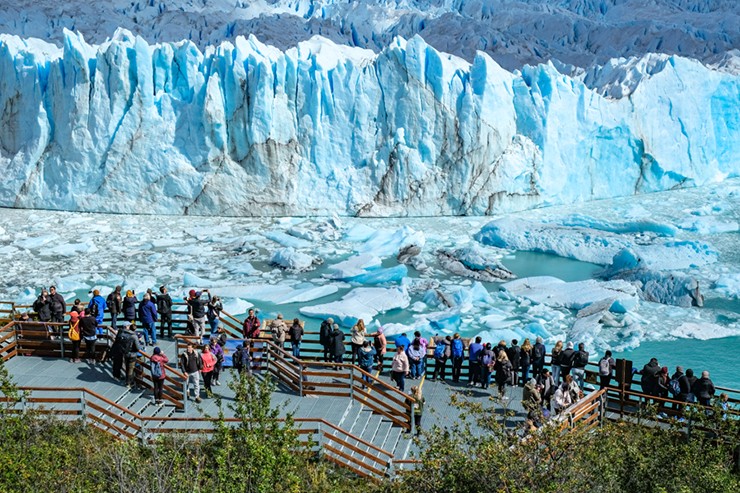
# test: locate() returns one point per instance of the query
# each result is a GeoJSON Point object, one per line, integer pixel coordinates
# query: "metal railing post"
{"type": "Point", "coordinates": [83, 405]}
{"type": "Point", "coordinates": [300, 377]}
{"type": "Point", "coordinates": [185, 394]}
{"type": "Point", "coordinates": [352, 382]}
{"type": "Point", "coordinates": [61, 339]}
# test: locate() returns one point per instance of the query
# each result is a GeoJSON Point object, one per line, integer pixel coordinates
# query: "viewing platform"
{"type": "Point", "coordinates": [365, 426]}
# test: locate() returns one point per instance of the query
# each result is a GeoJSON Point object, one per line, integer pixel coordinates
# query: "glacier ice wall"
{"type": "Point", "coordinates": [247, 129]}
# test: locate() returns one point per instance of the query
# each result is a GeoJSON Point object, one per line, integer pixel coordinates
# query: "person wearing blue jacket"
{"type": "Point", "coordinates": [403, 341]}
{"type": "Point", "coordinates": [98, 301]}
{"type": "Point", "coordinates": [148, 318]}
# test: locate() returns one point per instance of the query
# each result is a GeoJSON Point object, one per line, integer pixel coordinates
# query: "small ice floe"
{"type": "Point", "coordinates": [291, 260]}
{"type": "Point", "coordinates": [728, 285]}
{"type": "Point", "coordinates": [670, 288]}
{"type": "Point", "coordinates": [364, 303]}
{"type": "Point", "coordinates": [473, 262]}
{"type": "Point", "coordinates": [573, 295]}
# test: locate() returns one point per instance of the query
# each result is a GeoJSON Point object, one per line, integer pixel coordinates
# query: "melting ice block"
{"type": "Point", "coordinates": [291, 260]}
{"type": "Point", "coordinates": [573, 295]}
{"type": "Point", "coordinates": [364, 303]}
{"type": "Point", "coordinates": [594, 245]}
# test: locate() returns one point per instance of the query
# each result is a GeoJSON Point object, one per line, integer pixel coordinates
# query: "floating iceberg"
{"type": "Point", "coordinates": [293, 261]}
{"type": "Point", "coordinates": [573, 295]}
{"type": "Point", "coordinates": [594, 245]}
{"type": "Point", "coordinates": [364, 303]}
{"type": "Point", "coordinates": [473, 262]}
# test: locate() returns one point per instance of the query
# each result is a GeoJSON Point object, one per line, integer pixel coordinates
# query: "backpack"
{"type": "Point", "coordinates": [674, 387]}
{"type": "Point", "coordinates": [605, 367]}
{"type": "Point", "coordinates": [487, 358]}
{"type": "Point", "coordinates": [539, 352]}
{"type": "Point", "coordinates": [439, 351]}
{"type": "Point", "coordinates": [457, 348]}
{"type": "Point", "coordinates": [74, 331]}
{"type": "Point", "coordinates": [156, 370]}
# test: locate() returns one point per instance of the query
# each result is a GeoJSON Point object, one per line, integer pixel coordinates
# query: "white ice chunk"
{"type": "Point", "coordinates": [573, 295]}
{"type": "Point", "coordinates": [292, 260]}
{"type": "Point", "coordinates": [364, 303]}
{"type": "Point", "coordinates": [354, 266]}
{"type": "Point", "coordinates": [704, 331]}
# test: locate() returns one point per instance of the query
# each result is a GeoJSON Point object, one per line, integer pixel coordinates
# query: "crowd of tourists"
{"type": "Point", "coordinates": [551, 386]}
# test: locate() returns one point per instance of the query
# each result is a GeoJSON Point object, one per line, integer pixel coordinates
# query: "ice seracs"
{"type": "Point", "coordinates": [242, 128]}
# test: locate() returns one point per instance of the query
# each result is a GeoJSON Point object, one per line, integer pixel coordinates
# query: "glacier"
{"type": "Point", "coordinates": [245, 129]}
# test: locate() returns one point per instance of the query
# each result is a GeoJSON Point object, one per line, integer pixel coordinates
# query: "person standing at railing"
{"type": "Point", "coordinates": [458, 355]}
{"type": "Point", "coordinates": [365, 359]}
{"type": "Point", "coordinates": [514, 352]}
{"type": "Point", "coordinates": [415, 355]}
{"type": "Point", "coordinates": [580, 360]}
{"type": "Point", "coordinates": [525, 360]}
{"type": "Point", "coordinates": [218, 352]}
{"type": "Point", "coordinates": [99, 303]}
{"type": "Point", "coordinates": [191, 363]}
{"type": "Point", "coordinates": [504, 373]}
{"type": "Point", "coordinates": [278, 329]}
{"type": "Point", "coordinates": [380, 343]}
{"type": "Point", "coordinates": [704, 389]}
{"type": "Point", "coordinates": [148, 318]}
{"type": "Point", "coordinates": [251, 326]}
{"type": "Point", "coordinates": [325, 338]}
{"type": "Point", "coordinates": [538, 357]}
{"type": "Point", "coordinates": [158, 374]}
{"type": "Point", "coordinates": [337, 344]}
{"type": "Point", "coordinates": [42, 306]}
{"type": "Point", "coordinates": [74, 336]}
{"type": "Point", "coordinates": [358, 337]}
{"type": "Point", "coordinates": [197, 312]}
{"type": "Point", "coordinates": [606, 369]}
{"type": "Point", "coordinates": [487, 362]}
{"type": "Point", "coordinates": [424, 344]}
{"type": "Point", "coordinates": [115, 306]}
{"type": "Point", "coordinates": [129, 306]}
{"type": "Point", "coordinates": [442, 352]}
{"type": "Point", "coordinates": [400, 368]}
{"type": "Point", "coordinates": [209, 364]}
{"type": "Point", "coordinates": [555, 358]}
{"type": "Point", "coordinates": [296, 336]}
{"type": "Point", "coordinates": [164, 310]}
{"type": "Point", "coordinates": [214, 312]}
{"type": "Point", "coordinates": [58, 305]}
{"type": "Point", "coordinates": [566, 360]}
{"type": "Point", "coordinates": [475, 355]}
{"type": "Point", "coordinates": [88, 331]}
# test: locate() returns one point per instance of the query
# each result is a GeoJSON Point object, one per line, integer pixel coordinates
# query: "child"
{"type": "Point", "coordinates": [418, 407]}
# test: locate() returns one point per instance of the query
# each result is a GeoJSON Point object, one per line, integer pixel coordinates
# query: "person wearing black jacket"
{"type": "Point", "coordinates": [580, 360]}
{"type": "Point", "coordinates": [130, 351]}
{"type": "Point", "coordinates": [325, 337]}
{"type": "Point", "coordinates": [515, 356]}
{"type": "Point", "coordinates": [114, 302]}
{"type": "Point", "coordinates": [164, 310]}
{"type": "Point", "coordinates": [703, 389]}
{"type": "Point", "coordinates": [566, 360]}
{"type": "Point", "coordinates": [42, 306]}
{"type": "Point", "coordinates": [191, 363]}
{"type": "Point", "coordinates": [88, 332]}
{"type": "Point", "coordinates": [197, 311]}
{"type": "Point", "coordinates": [649, 377]}
{"type": "Point", "coordinates": [538, 357]}
{"type": "Point", "coordinates": [57, 305]}
{"type": "Point", "coordinates": [337, 344]}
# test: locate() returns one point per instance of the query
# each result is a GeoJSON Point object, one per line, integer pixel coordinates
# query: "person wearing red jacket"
{"type": "Point", "coordinates": [161, 358]}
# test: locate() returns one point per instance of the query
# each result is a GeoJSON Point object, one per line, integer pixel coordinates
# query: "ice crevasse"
{"type": "Point", "coordinates": [247, 129]}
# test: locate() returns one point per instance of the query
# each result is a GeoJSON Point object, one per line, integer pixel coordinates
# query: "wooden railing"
{"type": "Point", "coordinates": [336, 444]}
{"type": "Point", "coordinates": [174, 387]}
{"type": "Point", "coordinates": [588, 412]}
{"type": "Point", "coordinates": [8, 341]}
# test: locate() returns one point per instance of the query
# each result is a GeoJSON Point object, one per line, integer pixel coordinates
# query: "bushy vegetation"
{"type": "Point", "coordinates": [262, 453]}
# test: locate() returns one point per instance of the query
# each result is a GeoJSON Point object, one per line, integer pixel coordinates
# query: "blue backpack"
{"type": "Point", "coordinates": [156, 370]}
{"type": "Point", "coordinates": [439, 351]}
{"type": "Point", "coordinates": [457, 348]}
